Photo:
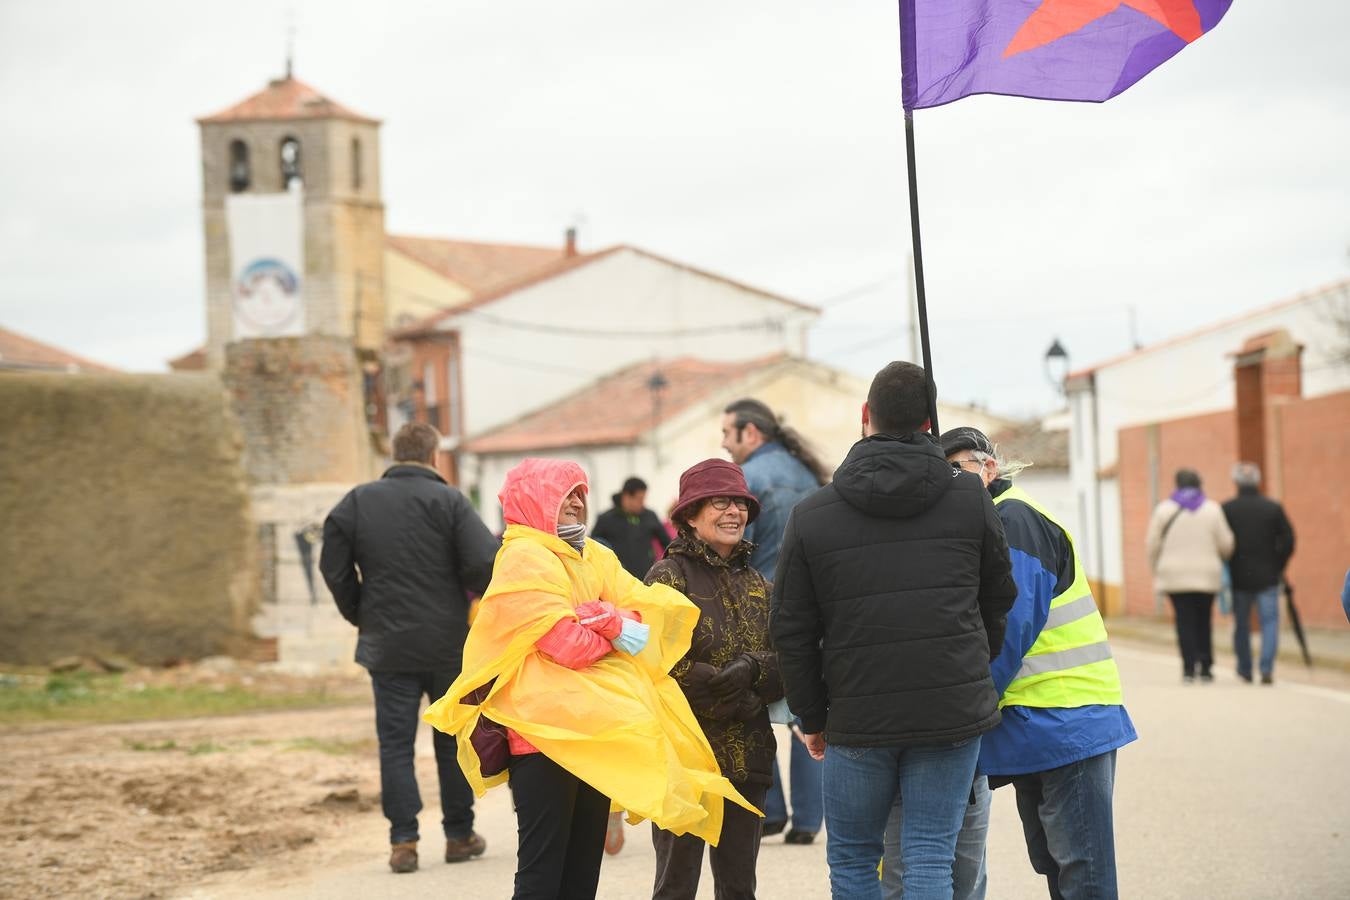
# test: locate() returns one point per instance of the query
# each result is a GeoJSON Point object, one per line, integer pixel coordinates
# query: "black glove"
{"type": "Point", "coordinates": [735, 677]}
{"type": "Point", "coordinates": [695, 684]}
{"type": "Point", "coordinates": [748, 707]}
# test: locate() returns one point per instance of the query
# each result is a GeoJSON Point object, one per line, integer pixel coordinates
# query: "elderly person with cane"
{"type": "Point", "coordinates": [566, 665]}
{"type": "Point", "coordinates": [730, 673]}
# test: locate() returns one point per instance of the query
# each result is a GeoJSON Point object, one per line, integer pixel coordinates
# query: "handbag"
{"type": "Point", "coordinates": [488, 737]}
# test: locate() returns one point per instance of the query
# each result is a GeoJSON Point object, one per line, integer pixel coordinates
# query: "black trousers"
{"type": "Point", "coordinates": [1194, 630]}
{"type": "Point", "coordinates": [561, 821]}
{"type": "Point", "coordinates": [679, 860]}
{"type": "Point", "coordinates": [398, 698]}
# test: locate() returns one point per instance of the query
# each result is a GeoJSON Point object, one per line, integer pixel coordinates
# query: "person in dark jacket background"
{"type": "Point", "coordinates": [729, 675]}
{"type": "Point", "coordinates": [1263, 542]}
{"type": "Point", "coordinates": [630, 529]}
{"type": "Point", "coordinates": [398, 556]}
{"type": "Point", "coordinates": [889, 601]}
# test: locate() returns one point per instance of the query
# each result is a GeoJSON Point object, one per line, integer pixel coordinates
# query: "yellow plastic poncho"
{"type": "Point", "coordinates": [622, 724]}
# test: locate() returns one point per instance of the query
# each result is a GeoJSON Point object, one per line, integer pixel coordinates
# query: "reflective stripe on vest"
{"type": "Point", "coordinates": [1070, 663]}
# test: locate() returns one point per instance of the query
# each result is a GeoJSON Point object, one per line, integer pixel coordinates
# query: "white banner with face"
{"type": "Point", "coordinates": [267, 263]}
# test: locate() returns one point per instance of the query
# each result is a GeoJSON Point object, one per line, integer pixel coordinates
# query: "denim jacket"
{"type": "Point", "coordinates": [779, 481]}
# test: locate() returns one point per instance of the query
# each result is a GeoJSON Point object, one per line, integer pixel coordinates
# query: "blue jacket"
{"type": "Point", "coordinates": [1034, 739]}
{"type": "Point", "coordinates": [779, 482]}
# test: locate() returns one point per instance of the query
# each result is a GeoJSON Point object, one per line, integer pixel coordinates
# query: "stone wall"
{"type": "Point", "coordinates": [126, 519]}
{"type": "Point", "coordinates": [300, 403]}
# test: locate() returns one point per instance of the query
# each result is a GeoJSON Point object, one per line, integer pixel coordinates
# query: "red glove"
{"type": "Point", "coordinates": [601, 617]}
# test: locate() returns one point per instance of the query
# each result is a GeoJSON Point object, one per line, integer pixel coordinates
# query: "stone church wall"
{"type": "Point", "coordinates": [124, 519]}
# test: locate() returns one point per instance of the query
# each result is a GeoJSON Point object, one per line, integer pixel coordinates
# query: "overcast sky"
{"type": "Point", "coordinates": [760, 140]}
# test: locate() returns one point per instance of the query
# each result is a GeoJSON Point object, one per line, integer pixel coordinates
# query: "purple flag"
{"type": "Point", "coordinates": [1046, 49]}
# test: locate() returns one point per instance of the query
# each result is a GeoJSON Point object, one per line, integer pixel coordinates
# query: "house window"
{"type": "Point", "coordinates": [291, 174]}
{"type": "Point", "coordinates": [356, 164]}
{"type": "Point", "coordinates": [239, 173]}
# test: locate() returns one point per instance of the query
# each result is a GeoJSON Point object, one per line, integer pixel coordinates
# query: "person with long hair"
{"type": "Point", "coordinates": [570, 656]}
{"type": "Point", "coordinates": [781, 470]}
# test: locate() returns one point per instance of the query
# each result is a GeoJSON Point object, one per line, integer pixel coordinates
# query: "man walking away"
{"type": "Point", "coordinates": [1263, 541]}
{"type": "Point", "coordinates": [780, 470]}
{"type": "Point", "coordinates": [1063, 716]}
{"type": "Point", "coordinates": [889, 602]}
{"type": "Point", "coordinates": [629, 529]}
{"type": "Point", "coordinates": [398, 556]}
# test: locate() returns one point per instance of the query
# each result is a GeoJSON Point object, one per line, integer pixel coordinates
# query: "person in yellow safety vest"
{"type": "Point", "coordinates": [1063, 715]}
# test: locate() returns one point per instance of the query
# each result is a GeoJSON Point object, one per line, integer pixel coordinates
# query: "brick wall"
{"type": "Point", "coordinates": [1149, 458]}
{"type": "Point", "coordinates": [1307, 441]}
{"type": "Point", "coordinates": [300, 404]}
{"type": "Point", "coordinates": [1313, 442]}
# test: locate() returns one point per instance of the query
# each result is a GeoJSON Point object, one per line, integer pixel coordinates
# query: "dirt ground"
{"type": "Point", "coordinates": [136, 810]}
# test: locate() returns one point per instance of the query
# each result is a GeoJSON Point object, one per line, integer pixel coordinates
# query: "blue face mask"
{"type": "Point", "coordinates": [632, 638]}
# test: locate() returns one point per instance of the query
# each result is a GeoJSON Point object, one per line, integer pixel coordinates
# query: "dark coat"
{"type": "Point", "coordinates": [733, 602]}
{"type": "Point", "coordinates": [1263, 540]}
{"type": "Point", "coordinates": [631, 537]}
{"type": "Point", "coordinates": [398, 556]}
{"type": "Point", "coordinates": [890, 599]}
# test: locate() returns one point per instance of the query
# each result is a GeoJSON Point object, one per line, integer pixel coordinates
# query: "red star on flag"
{"type": "Point", "coordinates": [1054, 19]}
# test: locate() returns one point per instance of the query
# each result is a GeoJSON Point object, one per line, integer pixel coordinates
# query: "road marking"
{"type": "Point", "coordinates": [1311, 690]}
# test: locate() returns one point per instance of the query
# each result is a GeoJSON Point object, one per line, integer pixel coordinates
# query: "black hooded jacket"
{"type": "Point", "coordinates": [398, 555]}
{"type": "Point", "coordinates": [890, 599]}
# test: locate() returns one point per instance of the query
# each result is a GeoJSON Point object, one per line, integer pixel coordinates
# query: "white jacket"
{"type": "Point", "coordinates": [1190, 557]}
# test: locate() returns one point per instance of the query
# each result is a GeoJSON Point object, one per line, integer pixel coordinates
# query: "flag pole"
{"type": "Point", "coordinates": [918, 273]}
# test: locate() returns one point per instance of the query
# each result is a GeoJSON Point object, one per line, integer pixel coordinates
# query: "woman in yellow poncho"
{"type": "Point", "coordinates": [572, 655]}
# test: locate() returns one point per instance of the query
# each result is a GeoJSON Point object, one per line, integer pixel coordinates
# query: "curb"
{"type": "Point", "coordinates": [1159, 633]}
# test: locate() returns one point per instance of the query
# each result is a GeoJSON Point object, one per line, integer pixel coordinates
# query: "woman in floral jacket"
{"type": "Point", "coordinates": [729, 675]}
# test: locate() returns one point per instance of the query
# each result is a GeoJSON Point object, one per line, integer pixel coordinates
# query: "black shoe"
{"type": "Point", "coordinates": [1188, 679]}
{"type": "Point", "coordinates": [1267, 678]}
{"type": "Point", "coordinates": [768, 829]}
{"type": "Point", "coordinates": [1245, 676]}
{"type": "Point", "coordinates": [1207, 677]}
{"type": "Point", "coordinates": [799, 837]}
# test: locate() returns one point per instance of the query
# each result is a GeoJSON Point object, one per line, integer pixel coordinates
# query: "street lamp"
{"type": "Point", "coordinates": [1057, 365]}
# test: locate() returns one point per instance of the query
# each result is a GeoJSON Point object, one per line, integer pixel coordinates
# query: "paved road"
{"type": "Point", "coordinates": [1233, 791]}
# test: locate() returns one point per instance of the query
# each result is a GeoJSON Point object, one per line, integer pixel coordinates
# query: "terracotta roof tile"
{"type": "Point", "coordinates": [478, 266]}
{"type": "Point", "coordinates": [616, 409]}
{"type": "Point", "coordinates": [1030, 442]}
{"type": "Point", "coordinates": [286, 98]}
{"type": "Point", "coordinates": [19, 352]}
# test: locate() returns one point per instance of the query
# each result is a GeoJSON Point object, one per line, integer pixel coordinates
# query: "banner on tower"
{"type": "Point", "coordinates": [267, 262]}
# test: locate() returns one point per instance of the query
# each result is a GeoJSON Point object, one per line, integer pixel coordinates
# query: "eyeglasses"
{"type": "Point", "coordinates": [721, 503]}
{"type": "Point", "coordinates": [959, 465]}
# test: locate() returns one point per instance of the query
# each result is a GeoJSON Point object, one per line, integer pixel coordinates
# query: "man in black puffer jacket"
{"type": "Point", "coordinates": [398, 555]}
{"type": "Point", "coordinates": [889, 602]}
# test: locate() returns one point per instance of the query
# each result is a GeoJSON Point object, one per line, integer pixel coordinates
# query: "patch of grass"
{"type": "Point", "coordinates": [330, 746]}
{"type": "Point", "coordinates": [86, 697]}
{"type": "Point", "coordinates": [144, 747]}
{"type": "Point", "coordinates": [206, 747]}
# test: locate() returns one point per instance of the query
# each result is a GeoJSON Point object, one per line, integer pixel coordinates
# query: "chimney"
{"type": "Point", "coordinates": [570, 247]}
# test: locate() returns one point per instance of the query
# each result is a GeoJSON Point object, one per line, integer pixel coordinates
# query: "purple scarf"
{"type": "Point", "coordinates": [1189, 498]}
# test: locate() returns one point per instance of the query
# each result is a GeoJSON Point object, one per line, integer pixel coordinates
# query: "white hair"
{"type": "Point", "coordinates": [1008, 467]}
{"type": "Point", "coordinates": [1247, 474]}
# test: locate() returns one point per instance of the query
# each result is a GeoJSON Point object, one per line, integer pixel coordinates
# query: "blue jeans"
{"type": "Point", "coordinates": [970, 879]}
{"type": "Point", "coordinates": [1267, 603]}
{"type": "Point", "coordinates": [397, 698]}
{"type": "Point", "coordinates": [808, 786]}
{"type": "Point", "coordinates": [861, 786]}
{"type": "Point", "coordinates": [1067, 819]}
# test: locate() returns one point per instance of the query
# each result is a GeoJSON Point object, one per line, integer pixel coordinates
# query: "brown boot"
{"type": "Point", "coordinates": [403, 857]}
{"type": "Point", "coordinates": [460, 849]}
